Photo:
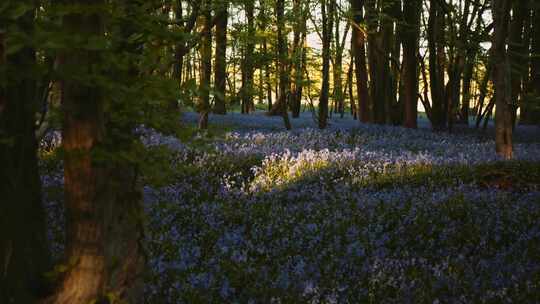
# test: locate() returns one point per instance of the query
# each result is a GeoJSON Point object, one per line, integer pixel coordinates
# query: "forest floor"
{"type": "Point", "coordinates": [250, 213]}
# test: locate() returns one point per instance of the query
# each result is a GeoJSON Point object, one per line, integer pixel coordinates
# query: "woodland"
{"type": "Point", "coordinates": [269, 151]}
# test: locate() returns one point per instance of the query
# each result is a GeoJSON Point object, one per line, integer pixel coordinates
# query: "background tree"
{"type": "Point", "coordinates": [23, 247]}
{"type": "Point", "coordinates": [220, 77]}
{"type": "Point", "coordinates": [501, 78]}
{"type": "Point", "coordinates": [411, 36]}
{"type": "Point", "coordinates": [328, 8]}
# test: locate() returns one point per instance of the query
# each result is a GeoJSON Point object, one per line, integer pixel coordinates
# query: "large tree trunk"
{"type": "Point", "coordinates": [359, 52]}
{"type": "Point", "coordinates": [280, 108]}
{"type": "Point", "coordinates": [530, 110]}
{"type": "Point", "coordinates": [327, 23]}
{"type": "Point", "coordinates": [103, 229]}
{"type": "Point", "coordinates": [83, 131]}
{"type": "Point", "coordinates": [23, 245]}
{"type": "Point", "coordinates": [411, 35]}
{"type": "Point", "coordinates": [502, 78]}
{"type": "Point", "coordinates": [220, 76]}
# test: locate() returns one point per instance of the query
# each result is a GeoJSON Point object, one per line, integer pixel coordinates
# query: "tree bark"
{"type": "Point", "coordinates": [502, 78]}
{"type": "Point", "coordinates": [103, 230]}
{"type": "Point", "coordinates": [280, 108]}
{"type": "Point", "coordinates": [247, 63]}
{"type": "Point", "coordinates": [359, 51]}
{"type": "Point", "coordinates": [435, 36]}
{"type": "Point", "coordinates": [23, 244]}
{"type": "Point", "coordinates": [299, 56]}
{"type": "Point", "coordinates": [220, 76]}
{"type": "Point", "coordinates": [206, 65]}
{"type": "Point", "coordinates": [327, 23]}
{"type": "Point", "coordinates": [411, 35]}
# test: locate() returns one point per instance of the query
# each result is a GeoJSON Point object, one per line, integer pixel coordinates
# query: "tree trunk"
{"type": "Point", "coordinates": [103, 229]}
{"type": "Point", "coordinates": [435, 36]}
{"type": "Point", "coordinates": [220, 76]}
{"type": "Point", "coordinates": [280, 108]}
{"type": "Point", "coordinates": [359, 51]}
{"type": "Point", "coordinates": [206, 65]}
{"type": "Point", "coordinates": [299, 56]}
{"type": "Point", "coordinates": [350, 88]}
{"type": "Point", "coordinates": [411, 35]}
{"type": "Point", "coordinates": [327, 23]}
{"type": "Point", "coordinates": [466, 94]}
{"type": "Point", "coordinates": [380, 30]}
{"type": "Point", "coordinates": [23, 244]}
{"type": "Point", "coordinates": [502, 78]}
{"type": "Point", "coordinates": [248, 70]}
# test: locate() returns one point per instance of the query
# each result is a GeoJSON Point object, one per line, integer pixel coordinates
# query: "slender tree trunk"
{"type": "Point", "coordinates": [327, 19]}
{"type": "Point", "coordinates": [299, 56]}
{"type": "Point", "coordinates": [23, 245]}
{"type": "Point", "coordinates": [411, 35]}
{"type": "Point", "coordinates": [339, 93]}
{"type": "Point", "coordinates": [220, 76]}
{"type": "Point", "coordinates": [179, 50]}
{"type": "Point", "coordinates": [466, 94]}
{"type": "Point", "coordinates": [247, 62]}
{"type": "Point", "coordinates": [350, 88]}
{"type": "Point", "coordinates": [268, 83]}
{"type": "Point", "coordinates": [483, 93]}
{"type": "Point", "coordinates": [502, 78]}
{"type": "Point", "coordinates": [206, 65]}
{"type": "Point", "coordinates": [359, 51]}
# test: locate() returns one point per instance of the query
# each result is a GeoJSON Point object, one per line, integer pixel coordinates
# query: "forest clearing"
{"type": "Point", "coordinates": [269, 151]}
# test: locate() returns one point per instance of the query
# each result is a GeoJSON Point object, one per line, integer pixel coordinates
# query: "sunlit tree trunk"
{"type": "Point", "coordinates": [502, 78]}
{"type": "Point", "coordinates": [23, 251]}
{"type": "Point", "coordinates": [103, 229]}
{"type": "Point", "coordinates": [220, 76]}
